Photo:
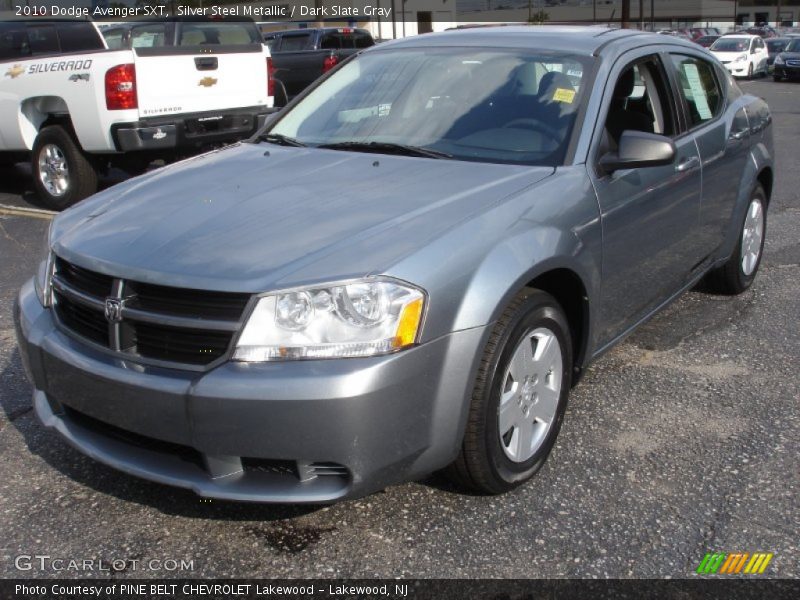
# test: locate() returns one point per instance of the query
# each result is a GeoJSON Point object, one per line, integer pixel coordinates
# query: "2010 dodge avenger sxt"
{"type": "Point", "coordinates": [407, 270]}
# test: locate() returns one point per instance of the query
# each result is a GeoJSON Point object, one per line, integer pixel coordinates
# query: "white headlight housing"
{"type": "Point", "coordinates": [342, 320]}
{"type": "Point", "coordinates": [779, 60]}
{"type": "Point", "coordinates": [741, 58]}
{"type": "Point", "coordinates": [44, 274]}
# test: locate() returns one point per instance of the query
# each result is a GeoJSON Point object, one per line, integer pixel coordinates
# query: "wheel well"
{"type": "Point", "coordinates": [568, 289]}
{"type": "Point", "coordinates": [765, 178]}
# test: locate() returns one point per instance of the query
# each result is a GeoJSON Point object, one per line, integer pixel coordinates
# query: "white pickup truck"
{"type": "Point", "coordinates": [75, 107]}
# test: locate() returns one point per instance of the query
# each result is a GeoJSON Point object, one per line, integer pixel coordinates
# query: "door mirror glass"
{"type": "Point", "coordinates": [637, 150]}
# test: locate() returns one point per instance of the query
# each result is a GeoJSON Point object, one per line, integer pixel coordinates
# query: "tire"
{"type": "Point", "coordinates": [750, 71]}
{"type": "Point", "coordinates": [738, 274]}
{"type": "Point", "coordinates": [62, 174]}
{"type": "Point", "coordinates": [776, 78]}
{"type": "Point", "coordinates": [491, 461]}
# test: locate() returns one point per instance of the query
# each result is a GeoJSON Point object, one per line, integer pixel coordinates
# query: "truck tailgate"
{"type": "Point", "coordinates": [190, 80]}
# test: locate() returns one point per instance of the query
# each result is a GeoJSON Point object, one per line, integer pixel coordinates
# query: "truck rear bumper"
{"type": "Point", "coordinates": [189, 130]}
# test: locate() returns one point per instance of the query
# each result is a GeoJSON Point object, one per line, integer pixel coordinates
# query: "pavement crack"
{"type": "Point", "coordinates": [10, 237]}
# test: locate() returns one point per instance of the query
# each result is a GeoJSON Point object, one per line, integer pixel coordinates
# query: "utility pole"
{"type": "Point", "coordinates": [626, 14]}
{"type": "Point", "coordinates": [778, 16]}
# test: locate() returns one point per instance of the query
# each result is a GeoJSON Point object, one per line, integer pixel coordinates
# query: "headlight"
{"type": "Point", "coordinates": [44, 274]}
{"type": "Point", "coordinates": [741, 58]}
{"type": "Point", "coordinates": [778, 60]}
{"type": "Point", "coordinates": [362, 318]}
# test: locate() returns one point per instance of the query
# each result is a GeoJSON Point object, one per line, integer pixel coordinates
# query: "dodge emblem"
{"type": "Point", "coordinates": [113, 310]}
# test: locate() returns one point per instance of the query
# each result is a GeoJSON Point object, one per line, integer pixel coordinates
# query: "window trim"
{"type": "Point", "coordinates": [688, 128]}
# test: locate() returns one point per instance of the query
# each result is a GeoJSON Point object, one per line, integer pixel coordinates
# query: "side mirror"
{"type": "Point", "coordinates": [637, 150]}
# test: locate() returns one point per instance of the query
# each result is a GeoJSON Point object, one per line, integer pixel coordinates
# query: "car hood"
{"type": "Point", "coordinates": [790, 55]}
{"type": "Point", "coordinates": [244, 218]}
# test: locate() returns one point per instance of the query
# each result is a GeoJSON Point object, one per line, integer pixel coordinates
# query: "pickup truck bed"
{"type": "Point", "coordinates": [300, 56]}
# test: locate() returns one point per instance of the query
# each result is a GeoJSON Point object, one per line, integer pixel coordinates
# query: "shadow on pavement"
{"type": "Point", "coordinates": [16, 404]}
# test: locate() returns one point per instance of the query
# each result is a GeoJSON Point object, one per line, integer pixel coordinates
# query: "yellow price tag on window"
{"type": "Point", "coordinates": [562, 95]}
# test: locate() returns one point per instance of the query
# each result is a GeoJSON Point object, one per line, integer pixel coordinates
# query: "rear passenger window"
{"type": "Point", "coordinates": [699, 87]}
{"type": "Point", "coordinates": [292, 43]}
{"type": "Point", "coordinates": [80, 36]}
{"type": "Point", "coordinates": [148, 36]}
{"type": "Point", "coordinates": [43, 39]}
{"type": "Point", "coordinates": [13, 41]}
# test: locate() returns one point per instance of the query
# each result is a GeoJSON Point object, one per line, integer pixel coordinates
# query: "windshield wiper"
{"type": "Point", "coordinates": [386, 148]}
{"type": "Point", "coordinates": [277, 138]}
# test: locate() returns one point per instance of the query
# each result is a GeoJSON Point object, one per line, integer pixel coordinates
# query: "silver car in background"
{"type": "Point", "coordinates": [406, 271]}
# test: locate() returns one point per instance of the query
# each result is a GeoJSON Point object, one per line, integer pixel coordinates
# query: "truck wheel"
{"type": "Point", "coordinates": [519, 397]}
{"type": "Point", "coordinates": [61, 172]}
{"type": "Point", "coordinates": [738, 274]}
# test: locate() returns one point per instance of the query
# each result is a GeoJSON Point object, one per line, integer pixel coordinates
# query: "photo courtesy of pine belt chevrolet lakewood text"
{"type": "Point", "coordinates": [405, 270]}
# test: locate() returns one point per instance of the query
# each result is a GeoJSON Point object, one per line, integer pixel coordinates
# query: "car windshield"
{"type": "Point", "coordinates": [793, 46]}
{"type": "Point", "coordinates": [731, 45]}
{"type": "Point", "coordinates": [775, 46]}
{"type": "Point", "coordinates": [503, 106]}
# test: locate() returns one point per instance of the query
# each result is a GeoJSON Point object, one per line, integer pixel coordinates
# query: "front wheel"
{"type": "Point", "coordinates": [738, 274]}
{"type": "Point", "coordinates": [519, 397]}
{"type": "Point", "coordinates": [62, 174]}
{"type": "Point", "coordinates": [750, 71]}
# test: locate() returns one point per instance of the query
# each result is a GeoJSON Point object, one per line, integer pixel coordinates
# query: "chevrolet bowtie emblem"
{"type": "Point", "coordinates": [207, 82]}
{"type": "Point", "coordinates": [15, 71]}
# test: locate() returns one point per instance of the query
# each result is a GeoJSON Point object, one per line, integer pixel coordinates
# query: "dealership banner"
{"type": "Point", "coordinates": [412, 589]}
{"type": "Point", "coordinates": [423, 14]}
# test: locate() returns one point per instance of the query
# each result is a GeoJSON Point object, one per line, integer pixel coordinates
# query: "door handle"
{"type": "Point", "coordinates": [688, 164]}
{"type": "Point", "coordinates": [738, 135]}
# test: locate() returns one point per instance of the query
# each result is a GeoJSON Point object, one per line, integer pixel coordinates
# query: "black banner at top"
{"type": "Point", "coordinates": [422, 14]}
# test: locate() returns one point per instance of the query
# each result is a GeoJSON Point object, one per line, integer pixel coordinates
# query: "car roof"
{"type": "Point", "coordinates": [312, 29]}
{"type": "Point", "coordinates": [587, 40]}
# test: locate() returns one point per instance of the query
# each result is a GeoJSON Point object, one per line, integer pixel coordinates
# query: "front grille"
{"type": "Point", "coordinates": [171, 325]}
{"type": "Point", "coordinates": [188, 303]}
{"type": "Point", "coordinates": [793, 63]}
{"type": "Point", "coordinates": [84, 321]}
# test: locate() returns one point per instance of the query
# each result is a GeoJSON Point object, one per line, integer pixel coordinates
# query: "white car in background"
{"type": "Point", "coordinates": [743, 55]}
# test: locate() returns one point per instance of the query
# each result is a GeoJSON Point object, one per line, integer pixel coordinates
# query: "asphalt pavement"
{"type": "Point", "coordinates": [683, 440]}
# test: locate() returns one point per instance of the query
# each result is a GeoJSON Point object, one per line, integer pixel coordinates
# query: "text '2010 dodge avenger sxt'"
{"type": "Point", "coordinates": [405, 271]}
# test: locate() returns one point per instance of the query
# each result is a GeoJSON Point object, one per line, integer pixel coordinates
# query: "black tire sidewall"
{"type": "Point", "coordinates": [539, 310]}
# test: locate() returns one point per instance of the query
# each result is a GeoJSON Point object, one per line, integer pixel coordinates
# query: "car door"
{"type": "Point", "coordinates": [716, 118]}
{"type": "Point", "coordinates": [649, 215]}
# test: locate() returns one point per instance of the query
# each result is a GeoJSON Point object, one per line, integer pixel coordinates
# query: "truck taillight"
{"type": "Point", "coordinates": [270, 78]}
{"type": "Point", "coordinates": [121, 88]}
{"type": "Point", "coordinates": [329, 62]}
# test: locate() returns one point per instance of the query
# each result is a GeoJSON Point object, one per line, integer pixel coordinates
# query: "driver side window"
{"type": "Point", "coordinates": [640, 102]}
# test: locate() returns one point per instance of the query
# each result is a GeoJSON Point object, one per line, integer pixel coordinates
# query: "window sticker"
{"type": "Point", "coordinates": [562, 95]}
{"type": "Point", "coordinates": [698, 91]}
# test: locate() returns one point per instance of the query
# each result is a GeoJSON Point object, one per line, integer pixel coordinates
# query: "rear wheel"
{"type": "Point", "coordinates": [738, 274]}
{"type": "Point", "coordinates": [62, 174]}
{"type": "Point", "coordinates": [519, 398]}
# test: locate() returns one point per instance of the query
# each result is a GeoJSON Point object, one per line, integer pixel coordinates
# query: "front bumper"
{"type": "Point", "coordinates": [787, 71]}
{"type": "Point", "coordinates": [189, 131]}
{"type": "Point", "coordinates": [305, 431]}
{"type": "Point", "coordinates": [737, 69]}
